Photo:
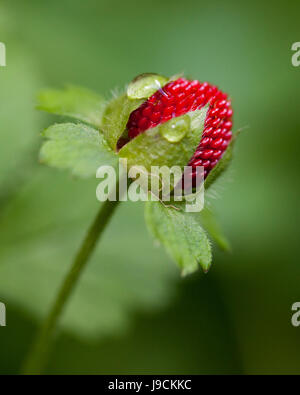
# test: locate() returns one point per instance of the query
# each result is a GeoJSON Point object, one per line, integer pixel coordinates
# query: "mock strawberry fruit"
{"type": "Point", "coordinates": [178, 98]}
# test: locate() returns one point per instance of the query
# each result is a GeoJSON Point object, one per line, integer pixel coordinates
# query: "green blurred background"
{"type": "Point", "coordinates": [132, 312]}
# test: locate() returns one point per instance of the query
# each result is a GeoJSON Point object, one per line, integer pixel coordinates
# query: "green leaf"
{"type": "Point", "coordinates": [74, 102]}
{"type": "Point", "coordinates": [78, 148]}
{"type": "Point", "coordinates": [171, 143]}
{"type": "Point", "coordinates": [222, 165]}
{"type": "Point", "coordinates": [181, 234]}
{"type": "Point", "coordinates": [211, 225]}
{"type": "Point", "coordinates": [115, 117]}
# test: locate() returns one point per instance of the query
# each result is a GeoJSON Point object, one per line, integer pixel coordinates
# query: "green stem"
{"type": "Point", "coordinates": [39, 352]}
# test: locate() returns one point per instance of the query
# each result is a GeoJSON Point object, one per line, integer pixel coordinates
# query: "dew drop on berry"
{"type": "Point", "coordinates": [145, 85]}
{"type": "Point", "coordinates": [175, 130]}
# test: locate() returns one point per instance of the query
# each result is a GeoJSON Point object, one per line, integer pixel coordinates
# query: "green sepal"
{"type": "Point", "coordinates": [115, 117]}
{"type": "Point", "coordinates": [211, 225]}
{"type": "Point", "coordinates": [181, 234]}
{"type": "Point", "coordinates": [156, 147]}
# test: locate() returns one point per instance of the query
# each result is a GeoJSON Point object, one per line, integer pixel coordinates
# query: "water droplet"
{"type": "Point", "coordinates": [145, 85]}
{"type": "Point", "coordinates": [175, 129]}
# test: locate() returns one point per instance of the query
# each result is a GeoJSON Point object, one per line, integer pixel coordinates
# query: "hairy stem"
{"type": "Point", "coordinates": [38, 354]}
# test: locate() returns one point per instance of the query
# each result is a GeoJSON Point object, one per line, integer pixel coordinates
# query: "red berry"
{"type": "Point", "coordinates": [180, 97]}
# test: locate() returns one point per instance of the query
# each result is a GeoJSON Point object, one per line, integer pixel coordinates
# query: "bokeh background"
{"type": "Point", "coordinates": [132, 312]}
